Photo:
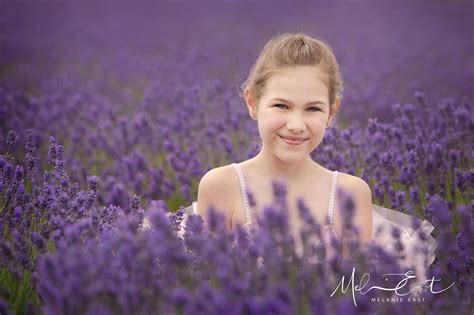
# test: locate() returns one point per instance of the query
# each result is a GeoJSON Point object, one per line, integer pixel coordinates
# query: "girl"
{"type": "Point", "coordinates": [293, 92]}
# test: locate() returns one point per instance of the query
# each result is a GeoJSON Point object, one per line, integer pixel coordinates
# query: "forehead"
{"type": "Point", "coordinates": [297, 83]}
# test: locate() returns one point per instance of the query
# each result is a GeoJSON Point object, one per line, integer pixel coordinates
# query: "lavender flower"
{"type": "Point", "coordinates": [12, 137]}
{"type": "Point", "coordinates": [71, 247]}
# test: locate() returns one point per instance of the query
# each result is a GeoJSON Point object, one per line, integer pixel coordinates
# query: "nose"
{"type": "Point", "coordinates": [296, 123]}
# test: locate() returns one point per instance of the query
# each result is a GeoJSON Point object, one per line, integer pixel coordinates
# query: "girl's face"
{"type": "Point", "coordinates": [295, 103]}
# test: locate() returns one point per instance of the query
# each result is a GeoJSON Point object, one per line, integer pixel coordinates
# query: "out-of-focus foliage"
{"type": "Point", "coordinates": [102, 103]}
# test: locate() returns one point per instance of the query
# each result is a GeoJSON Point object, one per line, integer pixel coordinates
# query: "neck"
{"type": "Point", "coordinates": [272, 167]}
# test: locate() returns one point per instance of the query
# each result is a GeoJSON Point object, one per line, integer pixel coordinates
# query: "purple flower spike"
{"type": "Point", "coordinates": [12, 137]}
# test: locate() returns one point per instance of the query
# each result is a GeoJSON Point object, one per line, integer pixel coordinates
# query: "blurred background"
{"type": "Point", "coordinates": [119, 107]}
{"type": "Point", "coordinates": [386, 49]}
{"type": "Point", "coordinates": [145, 95]}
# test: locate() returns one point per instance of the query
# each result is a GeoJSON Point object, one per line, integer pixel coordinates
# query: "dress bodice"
{"type": "Point", "coordinates": [327, 231]}
{"type": "Point", "coordinates": [249, 213]}
{"type": "Point", "coordinates": [419, 251]}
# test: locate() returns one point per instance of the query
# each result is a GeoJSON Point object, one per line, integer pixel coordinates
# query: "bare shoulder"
{"type": "Point", "coordinates": [355, 185]}
{"type": "Point", "coordinates": [217, 188]}
{"type": "Point", "coordinates": [362, 197]}
{"type": "Point", "coordinates": [225, 176]}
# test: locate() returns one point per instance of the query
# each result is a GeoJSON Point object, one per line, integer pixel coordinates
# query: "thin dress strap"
{"type": "Point", "coordinates": [331, 197]}
{"type": "Point", "coordinates": [244, 193]}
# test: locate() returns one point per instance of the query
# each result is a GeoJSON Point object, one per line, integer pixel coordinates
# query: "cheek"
{"type": "Point", "coordinates": [318, 128]}
{"type": "Point", "coordinates": [272, 124]}
{"type": "Point", "coordinates": [317, 124]}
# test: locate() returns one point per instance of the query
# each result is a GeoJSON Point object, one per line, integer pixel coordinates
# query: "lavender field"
{"type": "Point", "coordinates": [112, 111]}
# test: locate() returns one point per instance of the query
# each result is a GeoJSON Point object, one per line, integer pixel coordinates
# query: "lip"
{"type": "Point", "coordinates": [293, 140]}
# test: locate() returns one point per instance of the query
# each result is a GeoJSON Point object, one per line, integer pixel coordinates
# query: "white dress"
{"type": "Point", "coordinates": [418, 252]}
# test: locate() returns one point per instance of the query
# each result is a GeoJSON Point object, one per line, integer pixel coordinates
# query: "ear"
{"type": "Point", "coordinates": [334, 108]}
{"type": "Point", "coordinates": [250, 101]}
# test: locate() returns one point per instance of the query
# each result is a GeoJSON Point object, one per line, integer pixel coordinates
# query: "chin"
{"type": "Point", "coordinates": [292, 159]}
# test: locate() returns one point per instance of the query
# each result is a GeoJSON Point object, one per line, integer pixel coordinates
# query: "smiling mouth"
{"type": "Point", "coordinates": [290, 141]}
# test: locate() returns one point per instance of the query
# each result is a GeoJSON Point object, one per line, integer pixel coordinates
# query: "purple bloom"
{"type": "Point", "coordinates": [279, 192]}
{"type": "Point", "coordinates": [18, 173]}
{"type": "Point", "coordinates": [4, 307]}
{"type": "Point", "coordinates": [30, 145]}
{"type": "Point", "coordinates": [37, 240]}
{"type": "Point", "coordinates": [93, 182]}
{"type": "Point", "coordinates": [414, 195]}
{"type": "Point", "coordinates": [12, 137]}
{"type": "Point", "coordinates": [420, 97]}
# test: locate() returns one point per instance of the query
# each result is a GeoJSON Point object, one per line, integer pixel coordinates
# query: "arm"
{"type": "Point", "coordinates": [214, 190]}
{"type": "Point", "coordinates": [362, 218]}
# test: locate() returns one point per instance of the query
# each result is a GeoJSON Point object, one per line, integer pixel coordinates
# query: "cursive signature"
{"type": "Point", "coordinates": [365, 280]}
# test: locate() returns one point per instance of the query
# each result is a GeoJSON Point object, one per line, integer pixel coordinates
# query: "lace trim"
{"type": "Point", "coordinates": [332, 197]}
{"type": "Point", "coordinates": [244, 194]}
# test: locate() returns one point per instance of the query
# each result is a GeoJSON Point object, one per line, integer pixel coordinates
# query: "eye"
{"type": "Point", "coordinates": [278, 105]}
{"type": "Point", "coordinates": [316, 109]}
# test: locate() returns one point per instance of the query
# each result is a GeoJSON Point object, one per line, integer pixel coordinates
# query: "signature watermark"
{"type": "Point", "coordinates": [363, 287]}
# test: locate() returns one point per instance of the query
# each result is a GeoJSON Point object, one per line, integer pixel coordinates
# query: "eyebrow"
{"type": "Point", "coordinates": [310, 103]}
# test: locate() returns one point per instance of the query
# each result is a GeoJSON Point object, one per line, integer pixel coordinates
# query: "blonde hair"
{"type": "Point", "coordinates": [290, 50]}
